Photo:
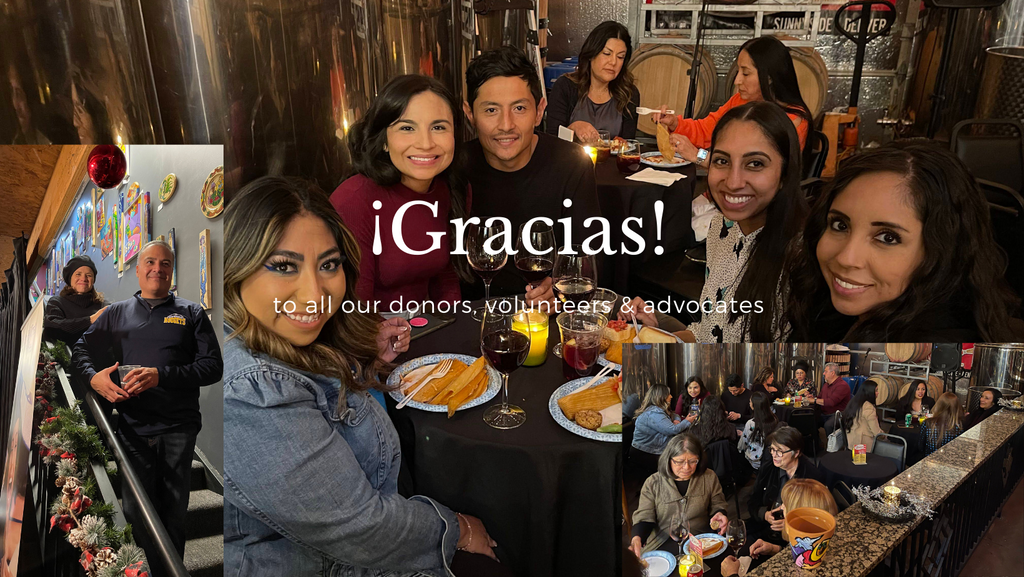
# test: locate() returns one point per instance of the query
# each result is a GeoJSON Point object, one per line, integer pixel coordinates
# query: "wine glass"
{"type": "Point", "coordinates": [679, 527]}
{"type": "Point", "coordinates": [535, 264]}
{"type": "Point", "coordinates": [505, 349]}
{"type": "Point", "coordinates": [736, 536]}
{"type": "Point", "coordinates": [581, 342]}
{"type": "Point", "coordinates": [485, 264]}
{"type": "Point", "coordinates": [574, 278]}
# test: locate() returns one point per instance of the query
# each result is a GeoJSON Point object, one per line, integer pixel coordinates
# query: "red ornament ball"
{"type": "Point", "coordinates": [107, 166]}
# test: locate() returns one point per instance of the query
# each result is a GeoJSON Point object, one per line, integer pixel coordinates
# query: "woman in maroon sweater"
{"type": "Point", "coordinates": [403, 151]}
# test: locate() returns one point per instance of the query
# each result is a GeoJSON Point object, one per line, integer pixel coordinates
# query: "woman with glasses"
{"type": "Point", "coordinates": [682, 470]}
{"type": "Point", "coordinates": [785, 446]}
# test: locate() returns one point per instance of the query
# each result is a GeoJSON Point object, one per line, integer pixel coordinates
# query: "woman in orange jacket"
{"type": "Point", "coordinates": [765, 72]}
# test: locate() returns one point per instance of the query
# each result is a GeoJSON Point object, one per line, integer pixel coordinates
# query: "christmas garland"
{"type": "Point", "coordinates": [66, 441]}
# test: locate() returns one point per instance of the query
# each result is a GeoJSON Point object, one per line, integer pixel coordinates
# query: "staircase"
{"type": "Point", "coordinates": [204, 527]}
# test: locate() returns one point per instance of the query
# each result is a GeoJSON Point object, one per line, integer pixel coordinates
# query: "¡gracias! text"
{"type": "Point", "coordinates": [597, 243]}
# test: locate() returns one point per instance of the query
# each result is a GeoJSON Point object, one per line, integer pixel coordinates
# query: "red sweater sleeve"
{"type": "Point", "coordinates": [358, 216]}
{"type": "Point", "coordinates": [699, 130]}
{"type": "Point", "coordinates": [445, 286]}
{"type": "Point", "coordinates": [836, 397]}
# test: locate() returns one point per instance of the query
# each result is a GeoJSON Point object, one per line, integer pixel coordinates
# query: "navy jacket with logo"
{"type": "Point", "coordinates": [175, 337]}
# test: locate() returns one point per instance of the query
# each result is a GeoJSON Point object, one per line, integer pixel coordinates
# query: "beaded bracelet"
{"type": "Point", "coordinates": [470, 542]}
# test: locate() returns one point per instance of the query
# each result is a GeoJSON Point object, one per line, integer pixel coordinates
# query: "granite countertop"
{"type": "Point", "coordinates": [861, 542]}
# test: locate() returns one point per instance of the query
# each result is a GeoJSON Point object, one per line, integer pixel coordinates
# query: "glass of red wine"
{"type": "Point", "coordinates": [581, 342]}
{"type": "Point", "coordinates": [537, 260]}
{"type": "Point", "coordinates": [736, 536]}
{"type": "Point", "coordinates": [505, 349]}
{"type": "Point", "coordinates": [484, 263]}
{"type": "Point", "coordinates": [574, 278]}
{"type": "Point", "coordinates": [679, 527]}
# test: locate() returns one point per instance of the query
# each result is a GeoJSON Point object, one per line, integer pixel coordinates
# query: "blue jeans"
{"type": "Point", "coordinates": [163, 464]}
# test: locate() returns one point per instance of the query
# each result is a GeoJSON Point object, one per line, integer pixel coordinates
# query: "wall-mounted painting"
{"type": "Point", "coordinates": [133, 228]}
{"type": "Point", "coordinates": [115, 232]}
{"type": "Point", "coordinates": [205, 288]}
{"type": "Point", "coordinates": [43, 277]}
{"type": "Point", "coordinates": [80, 231]}
{"type": "Point", "coordinates": [174, 268]}
{"type": "Point", "coordinates": [97, 216]}
{"type": "Point", "coordinates": [87, 241]}
{"type": "Point", "coordinates": [106, 241]}
{"type": "Point", "coordinates": [54, 271]}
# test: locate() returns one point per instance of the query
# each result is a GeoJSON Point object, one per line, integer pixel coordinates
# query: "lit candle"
{"type": "Point", "coordinates": [891, 494]}
{"type": "Point", "coordinates": [538, 331]}
{"type": "Point", "coordinates": [592, 152]}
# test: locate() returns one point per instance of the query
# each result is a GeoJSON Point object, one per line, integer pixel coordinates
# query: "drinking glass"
{"type": "Point", "coordinates": [574, 278]}
{"type": "Point", "coordinates": [536, 265]}
{"type": "Point", "coordinates": [505, 344]}
{"type": "Point", "coordinates": [483, 263]}
{"type": "Point", "coordinates": [679, 527]}
{"type": "Point", "coordinates": [628, 160]}
{"type": "Point", "coordinates": [606, 302]}
{"type": "Point", "coordinates": [123, 370]}
{"type": "Point", "coordinates": [603, 145]}
{"type": "Point", "coordinates": [581, 342]}
{"type": "Point", "coordinates": [736, 535]}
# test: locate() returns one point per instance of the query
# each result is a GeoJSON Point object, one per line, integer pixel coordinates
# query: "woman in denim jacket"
{"type": "Point", "coordinates": [655, 425]}
{"type": "Point", "coordinates": [311, 462]}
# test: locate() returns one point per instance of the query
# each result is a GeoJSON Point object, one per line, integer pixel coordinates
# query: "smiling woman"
{"type": "Point", "coordinates": [403, 150]}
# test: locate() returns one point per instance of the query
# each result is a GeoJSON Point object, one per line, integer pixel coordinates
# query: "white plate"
{"type": "Point", "coordinates": [659, 563]}
{"type": "Point", "coordinates": [560, 418]}
{"type": "Point", "coordinates": [681, 162]}
{"type": "Point", "coordinates": [716, 536]}
{"type": "Point", "coordinates": [493, 382]}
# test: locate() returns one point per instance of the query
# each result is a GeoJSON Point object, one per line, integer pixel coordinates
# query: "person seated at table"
{"type": "Point", "coordinates": [834, 395]}
{"type": "Point", "coordinates": [799, 382]}
{"type": "Point", "coordinates": [764, 382]}
{"type": "Point", "coordinates": [682, 470]}
{"type": "Point", "coordinates": [515, 173]}
{"type": "Point", "coordinates": [713, 424]}
{"type": "Point", "coordinates": [899, 248]}
{"type": "Point", "coordinates": [694, 393]}
{"type": "Point", "coordinates": [78, 305]}
{"type": "Point", "coordinates": [915, 402]}
{"type": "Point", "coordinates": [757, 429]}
{"type": "Point", "coordinates": [945, 424]}
{"type": "Point", "coordinates": [988, 405]}
{"type": "Point", "coordinates": [787, 462]}
{"type": "Point", "coordinates": [754, 179]}
{"type": "Point", "coordinates": [736, 399]}
{"type": "Point", "coordinates": [600, 94]}
{"type": "Point", "coordinates": [655, 425]}
{"type": "Point", "coordinates": [860, 417]}
{"type": "Point", "coordinates": [311, 459]}
{"type": "Point", "coordinates": [403, 150]}
{"type": "Point", "coordinates": [766, 73]}
{"type": "Point", "coordinates": [796, 494]}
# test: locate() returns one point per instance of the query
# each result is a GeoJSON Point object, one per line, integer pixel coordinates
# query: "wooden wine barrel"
{"type": "Point", "coordinates": [811, 75]}
{"type": "Point", "coordinates": [888, 389]}
{"type": "Point", "coordinates": [908, 352]}
{"type": "Point", "coordinates": [661, 74]}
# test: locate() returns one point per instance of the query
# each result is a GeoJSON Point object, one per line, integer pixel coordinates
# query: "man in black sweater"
{"type": "Point", "coordinates": [516, 173]}
{"type": "Point", "coordinates": [736, 399]}
{"type": "Point", "coordinates": [174, 344]}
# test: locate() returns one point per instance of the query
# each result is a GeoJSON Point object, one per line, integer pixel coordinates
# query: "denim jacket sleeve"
{"type": "Point", "coordinates": [287, 466]}
{"type": "Point", "coordinates": [660, 423]}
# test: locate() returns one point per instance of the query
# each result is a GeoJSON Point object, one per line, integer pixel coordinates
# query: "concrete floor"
{"type": "Point", "coordinates": [1001, 551]}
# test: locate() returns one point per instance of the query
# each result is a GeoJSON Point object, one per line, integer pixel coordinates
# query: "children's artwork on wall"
{"type": "Point", "coordinates": [43, 277]}
{"type": "Point", "coordinates": [115, 231]}
{"type": "Point", "coordinates": [174, 267]}
{"type": "Point", "coordinates": [131, 229]}
{"type": "Point", "coordinates": [101, 215]}
{"type": "Point", "coordinates": [56, 271]}
{"type": "Point", "coordinates": [80, 231]}
{"type": "Point", "coordinates": [205, 292]}
{"type": "Point", "coordinates": [33, 294]}
{"type": "Point", "coordinates": [87, 241]}
{"type": "Point", "coordinates": [106, 241]}
{"type": "Point", "coordinates": [133, 194]}
{"type": "Point", "coordinates": [147, 226]}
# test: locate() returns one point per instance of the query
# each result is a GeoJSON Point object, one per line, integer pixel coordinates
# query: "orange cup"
{"type": "Point", "coordinates": [808, 531]}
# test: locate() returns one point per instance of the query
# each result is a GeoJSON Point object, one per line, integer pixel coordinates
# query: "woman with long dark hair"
{"type": "Point", "coordinates": [764, 382]}
{"type": "Point", "coordinates": [916, 401]}
{"type": "Point", "coordinates": [600, 94]}
{"type": "Point", "coordinates": [754, 179]}
{"type": "Point", "coordinates": [78, 305]}
{"type": "Point", "coordinates": [899, 248]}
{"type": "Point", "coordinates": [757, 429]}
{"type": "Point", "coordinates": [765, 73]}
{"type": "Point", "coordinates": [988, 405]}
{"type": "Point", "coordinates": [860, 418]}
{"type": "Point", "coordinates": [694, 393]}
{"type": "Point", "coordinates": [406, 149]}
{"type": "Point", "coordinates": [311, 459]}
{"type": "Point", "coordinates": [712, 424]}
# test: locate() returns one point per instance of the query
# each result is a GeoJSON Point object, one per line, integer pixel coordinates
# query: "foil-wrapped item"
{"type": "Point", "coordinates": [909, 507]}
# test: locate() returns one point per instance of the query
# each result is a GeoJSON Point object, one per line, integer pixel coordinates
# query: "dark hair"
{"type": "Point", "coordinates": [621, 88]}
{"type": "Point", "coordinates": [655, 397]}
{"type": "Point", "coordinates": [733, 380]}
{"type": "Point", "coordinates": [866, 393]}
{"type": "Point", "coordinates": [777, 75]}
{"type": "Point", "coordinates": [785, 218]}
{"type": "Point", "coordinates": [907, 399]}
{"type": "Point", "coordinates": [788, 437]}
{"type": "Point", "coordinates": [688, 400]}
{"type": "Point", "coordinates": [712, 423]}
{"type": "Point", "coordinates": [504, 61]}
{"type": "Point", "coordinates": [765, 421]}
{"type": "Point", "coordinates": [677, 445]}
{"type": "Point", "coordinates": [963, 267]}
{"type": "Point", "coordinates": [369, 135]}
{"type": "Point", "coordinates": [996, 395]}
{"type": "Point", "coordinates": [801, 366]}
{"type": "Point", "coordinates": [762, 376]}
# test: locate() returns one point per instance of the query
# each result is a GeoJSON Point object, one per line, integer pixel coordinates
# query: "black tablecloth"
{"type": "Point", "coordinates": [621, 198]}
{"type": "Point", "coordinates": [913, 437]}
{"type": "Point", "coordinates": [839, 466]}
{"type": "Point", "coordinates": [783, 412]}
{"type": "Point", "coordinates": [548, 497]}
{"type": "Point", "coordinates": [714, 565]}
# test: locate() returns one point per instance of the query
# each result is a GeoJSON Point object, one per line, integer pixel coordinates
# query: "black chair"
{"type": "Point", "coordinates": [723, 459]}
{"type": "Point", "coordinates": [893, 447]}
{"type": "Point", "coordinates": [805, 421]}
{"type": "Point", "coordinates": [815, 152]}
{"type": "Point", "coordinates": [843, 495]}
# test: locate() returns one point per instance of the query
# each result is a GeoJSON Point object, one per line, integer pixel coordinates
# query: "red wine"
{"type": "Point", "coordinates": [575, 289]}
{"type": "Point", "coordinates": [506, 349]}
{"type": "Point", "coordinates": [487, 275]}
{"type": "Point", "coordinates": [534, 269]}
{"type": "Point", "coordinates": [578, 359]}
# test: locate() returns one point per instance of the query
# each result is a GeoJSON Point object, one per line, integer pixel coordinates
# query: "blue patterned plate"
{"type": "Point", "coordinates": [715, 536]}
{"type": "Point", "coordinates": [560, 418]}
{"type": "Point", "coordinates": [659, 563]}
{"type": "Point", "coordinates": [605, 362]}
{"type": "Point", "coordinates": [493, 382]}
